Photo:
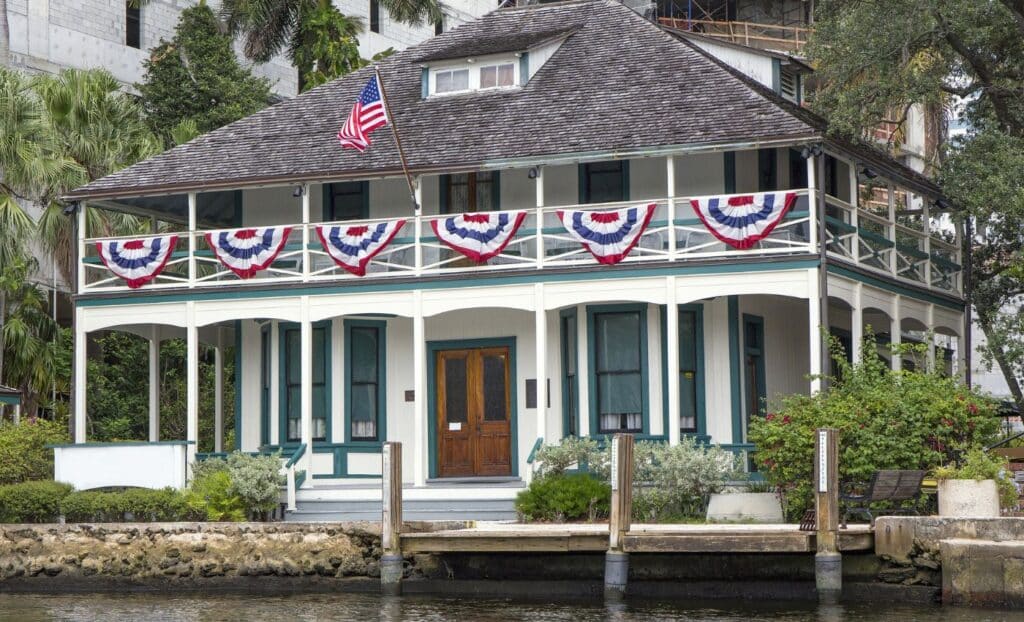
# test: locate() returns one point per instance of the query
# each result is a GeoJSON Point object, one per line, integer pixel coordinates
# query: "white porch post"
{"type": "Point", "coordinates": [218, 393]}
{"type": "Point", "coordinates": [539, 185]}
{"type": "Point", "coordinates": [154, 384]}
{"type": "Point", "coordinates": [930, 320]}
{"type": "Point", "coordinates": [191, 239]}
{"type": "Point", "coordinates": [896, 332]}
{"type": "Point", "coordinates": [672, 356]}
{"type": "Point", "coordinates": [670, 189]}
{"type": "Point", "coordinates": [583, 371]}
{"type": "Point", "coordinates": [541, 339]}
{"type": "Point", "coordinates": [855, 214]}
{"type": "Point", "coordinates": [418, 227]}
{"type": "Point", "coordinates": [419, 388]}
{"type": "Point", "coordinates": [893, 260]}
{"type": "Point", "coordinates": [857, 324]}
{"type": "Point", "coordinates": [80, 376]}
{"type": "Point", "coordinates": [306, 365]}
{"type": "Point", "coordinates": [276, 433]}
{"type": "Point", "coordinates": [812, 202]}
{"type": "Point", "coordinates": [192, 380]}
{"type": "Point", "coordinates": [16, 417]}
{"type": "Point", "coordinates": [306, 269]}
{"type": "Point", "coordinates": [82, 234]}
{"type": "Point", "coordinates": [814, 328]}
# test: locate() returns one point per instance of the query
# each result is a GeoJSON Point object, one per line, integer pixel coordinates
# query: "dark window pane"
{"type": "Point", "coordinates": [604, 182]}
{"type": "Point", "coordinates": [494, 388]}
{"type": "Point", "coordinates": [688, 401]}
{"type": "Point", "coordinates": [133, 27]}
{"type": "Point", "coordinates": [455, 390]}
{"type": "Point", "coordinates": [618, 341]}
{"type": "Point", "coordinates": [688, 340]}
{"type": "Point", "coordinates": [570, 345]}
{"type": "Point", "coordinates": [293, 356]}
{"type": "Point", "coordinates": [364, 354]}
{"type": "Point", "coordinates": [319, 356]}
{"type": "Point", "coordinates": [348, 200]}
{"type": "Point", "coordinates": [620, 393]}
{"type": "Point", "coordinates": [374, 16]}
{"type": "Point", "coordinates": [571, 391]}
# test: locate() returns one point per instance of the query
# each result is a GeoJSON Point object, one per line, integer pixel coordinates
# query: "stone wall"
{"type": "Point", "coordinates": [144, 553]}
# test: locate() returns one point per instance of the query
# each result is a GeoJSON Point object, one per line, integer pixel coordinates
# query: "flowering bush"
{"type": "Point", "coordinates": [886, 420]}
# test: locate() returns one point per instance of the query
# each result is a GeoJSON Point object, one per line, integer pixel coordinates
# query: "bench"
{"type": "Point", "coordinates": [895, 486]}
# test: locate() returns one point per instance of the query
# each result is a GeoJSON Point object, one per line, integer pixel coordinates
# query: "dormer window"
{"type": "Point", "coordinates": [451, 81]}
{"type": "Point", "coordinates": [498, 75]}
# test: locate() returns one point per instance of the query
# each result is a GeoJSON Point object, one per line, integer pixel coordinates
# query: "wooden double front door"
{"type": "Point", "coordinates": [474, 409]}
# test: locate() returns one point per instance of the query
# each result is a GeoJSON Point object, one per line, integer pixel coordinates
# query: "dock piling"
{"type": "Point", "coordinates": [616, 561]}
{"type": "Point", "coordinates": [391, 561]}
{"type": "Point", "coordinates": [828, 562]}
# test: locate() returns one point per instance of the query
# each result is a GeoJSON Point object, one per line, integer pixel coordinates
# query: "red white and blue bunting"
{"type": "Point", "coordinates": [608, 235]}
{"type": "Point", "coordinates": [247, 251]}
{"type": "Point", "coordinates": [741, 221]}
{"type": "Point", "coordinates": [353, 246]}
{"type": "Point", "coordinates": [137, 261]}
{"type": "Point", "coordinates": [478, 236]}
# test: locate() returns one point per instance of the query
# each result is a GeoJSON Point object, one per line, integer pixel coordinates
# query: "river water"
{"type": "Point", "coordinates": [372, 608]}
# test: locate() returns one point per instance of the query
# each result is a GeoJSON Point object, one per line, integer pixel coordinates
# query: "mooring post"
{"type": "Point", "coordinates": [391, 520]}
{"type": "Point", "coordinates": [616, 561]}
{"type": "Point", "coordinates": [828, 562]}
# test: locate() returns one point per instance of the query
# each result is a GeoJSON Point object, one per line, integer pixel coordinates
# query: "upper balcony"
{"type": "Point", "coordinates": [886, 237]}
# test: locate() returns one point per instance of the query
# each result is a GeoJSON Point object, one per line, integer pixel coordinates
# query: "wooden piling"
{"type": "Point", "coordinates": [616, 564]}
{"type": "Point", "coordinates": [391, 560]}
{"type": "Point", "coordinates": [828, 562]}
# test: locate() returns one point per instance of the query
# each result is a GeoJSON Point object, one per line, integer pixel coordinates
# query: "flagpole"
{"type": "Point", "coordinates": [398, 141]}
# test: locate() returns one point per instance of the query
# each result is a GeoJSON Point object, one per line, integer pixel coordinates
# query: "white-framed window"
{"type": "Point", "coordinates": [494, 76]}
{"type": "Point", "coordinates": [451, 81]}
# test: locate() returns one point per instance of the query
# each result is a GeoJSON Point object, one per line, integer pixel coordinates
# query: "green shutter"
{"type": "Point", "coordinates": [524, 69]}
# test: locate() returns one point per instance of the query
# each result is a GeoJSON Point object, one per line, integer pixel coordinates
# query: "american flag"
{"type": "Point", "coordinates": [367, 115]}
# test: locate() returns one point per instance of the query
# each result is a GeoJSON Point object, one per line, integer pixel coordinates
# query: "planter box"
{"type": "Point", "coordinates": [756, 507]}
{"type": "Point", "coordinates": [968, 498]}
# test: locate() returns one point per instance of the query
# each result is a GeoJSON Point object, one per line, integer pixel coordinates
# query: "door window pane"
{"type": "Point", "coordinates": [348, 200]}
{"type": "Point", "coordinates": [688, 377]}
{"type": "Point", "coordinates": [604, 182]}
{"type": "Point", "coordinates": [494, 388]}
{"type": "Point", "coordinates": [455, 383]}
{"type": "Point", "coordinates": [469, 192]}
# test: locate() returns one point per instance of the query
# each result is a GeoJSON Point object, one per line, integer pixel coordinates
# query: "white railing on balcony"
{"type": "Point", "coordinates": [871, 241]}
{"type": "Point", "coordinates": [542, 242]}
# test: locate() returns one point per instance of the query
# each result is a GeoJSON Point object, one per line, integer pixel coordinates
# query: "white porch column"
{"type": "Point", "coordinates": [276, 433]}
{"type": "Point", "coordinates": [305, 236]}
{"type": "Point", "coordinates": [930, 321]}
{"type": "Point", "coordinates": [896, 332]}
{"type": "Point", "coordinates": [16, 417]}
{"type": "Point", "coordinates": [541, 339]}
{"type": "Point", "coordinates": [81, 361]}
{"type": "Point", "coordinates": [857, 324]}
{"type": "Point", "coordinates": [192, 239]}
{"type": "Point", "coordinates": [419, 389]}
{"type": "Point", "coordinates": [306, 391]}
{"type": "Point", "coordinates": [814, 329]}
{"type": "Point", "coordinates": [670, 189]}
{"type": "Point", "coordinates": [812, 202]}
{"type": "Point", "coordinates": [192, 380]}
{"type": "Point", "coordinates": [583, 371]}
{"type": "Point", "coordinates": [893, 261]}
{"type": "Point", "coordinates": [672, 357]}
{"type": "Point", "coordinates": [154, 384]}
{"type": "Point", "coordinates": [418, 226]}
{"type": "Point", "coordinates": [218, 393]}
{"type": "Point", "coordinates": [539, 184]}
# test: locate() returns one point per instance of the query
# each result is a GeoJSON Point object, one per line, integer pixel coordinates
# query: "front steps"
{"type": "Point", "coordinates": [434, 502]}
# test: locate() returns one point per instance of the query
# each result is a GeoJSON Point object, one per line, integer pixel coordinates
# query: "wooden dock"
{"type": "Point", "coordinates": [714, 538]}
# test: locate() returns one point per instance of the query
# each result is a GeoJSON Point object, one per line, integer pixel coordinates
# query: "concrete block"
{"type": "Point", "coordinates": [968, 498]}
{"type": "Point", "coordinates": [898, 536]}
{"type": "Point", "coordinates": [982, 572]}
{"type": "Point", "coordinates": [759, 507]}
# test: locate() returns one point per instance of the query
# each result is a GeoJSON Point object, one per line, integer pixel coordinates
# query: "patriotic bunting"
{"type": "Point", "coordinates": [247, 251]}
{"type": "Point", "coordinates": [137, 261]}
{"type": "Point", "coordinates": [609, 236]}
{"type": "Point", "coordinates": [478, 236]}
{"type": "Point", "coordinates": [741, 221]}
{"type": "Point", "coordinates": [352, 247]}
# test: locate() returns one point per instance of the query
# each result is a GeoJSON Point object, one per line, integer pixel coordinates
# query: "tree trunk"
{"type": "Point", "coordinates": [5, 36]}
{"type": "Point", "coordinates": [999, 355]}
{"type": "Point", "coordinates": [3, 317]}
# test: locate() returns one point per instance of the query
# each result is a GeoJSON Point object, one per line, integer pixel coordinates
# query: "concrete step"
{"type": "Point", "coordinates": [448, 509]}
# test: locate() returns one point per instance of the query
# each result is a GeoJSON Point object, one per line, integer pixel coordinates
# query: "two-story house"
{"type": "Point", "coordinates": [616, 233]}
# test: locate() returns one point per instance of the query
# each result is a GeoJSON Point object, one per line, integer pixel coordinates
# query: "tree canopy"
{"type": "Point", "coordinates": [194, 83]}
{"type": "Point", "coordinates": [874, 59]}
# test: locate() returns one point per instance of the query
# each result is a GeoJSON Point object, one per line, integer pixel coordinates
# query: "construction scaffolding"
{"type": "Point", "coordinates": [782, 25]}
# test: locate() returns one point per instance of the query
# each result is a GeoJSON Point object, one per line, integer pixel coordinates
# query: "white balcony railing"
{"type": "Point", "coordinates": [416, 251]}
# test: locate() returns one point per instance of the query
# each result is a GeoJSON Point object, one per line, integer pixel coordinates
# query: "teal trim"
{"type": "Point", "coordinates": [496, 190]}
{"type": "Point", "coordinates": [382, 378]}
{"type": "Point", "coordinates": [757, 323]}
{"type": "Point", "coordinates": [839, 226]}
{"type": "Point", "coordinates": [265, 384]}
{"type": "Point", "coordinates": [735, 374]}
{"type": "Point", "coordinates": [118, 444]}
{"type": "Point", "coordinates": [567, 408]}
{"type": "Point", "coordinates": [296, 456]}
{"type": "Point", "coordinates": [625, 180]}
{"type": "Point", "coordinates": [282, 389]}
{"type": "Point", "coordinates": [433, 347]}
{"type": "Point", "coordinates": [325, 202]}
{"type": "Point", "coordinates": [593, 310]}
{"type": "Point", "coordinates": [871, 236]}
{"type": "Point", "coordinates": [913, 251]}
{"type": "Point", "coordinates": [942, 262]}
{"type": "Point", "coordinates": [777, 76]}
{"type": "Point", "coordinates": [12, 400]}
{"type": "Point", "coordinates": [424, 83]}
{"type": "Point", "coordinates": [533, 452]}
{"type": "Point", "coordinates": [236, 217]}
{"type": "Point", "coordinates": [894, 288]}
{"type": "Point", "coordinates": [238, 385]}
{"type": "Point", "coordinates": [729, 167]}
{"type": "Point", "coordinates": [443, 184]}
{"type": "Point", "coordinates": [698, 310]}
{"type": "Point", "coordinates": [524, 69]}
{"type": "Point", "coordinates": [447, 282]}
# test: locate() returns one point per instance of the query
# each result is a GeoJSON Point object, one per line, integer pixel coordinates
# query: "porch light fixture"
{"type": "Point", "coordinates": [297, 192]}
{"type": "Point", "coordinates": [533, 173]}
{"type": "Point", "coordinates": [868, 172]}
{"type": "Point", "coordinates": [811, 150]}
{"type": "Point", "coordinates": [70, 208]}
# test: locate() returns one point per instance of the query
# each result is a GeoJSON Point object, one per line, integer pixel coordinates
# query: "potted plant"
{"type": "Point", "coordinates": [976, 488]}
{"type": "Point", "coordinates": [757, 502]}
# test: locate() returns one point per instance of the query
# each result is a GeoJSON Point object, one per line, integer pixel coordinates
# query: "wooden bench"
{"type": "Point", "coordinates": [894, 486]}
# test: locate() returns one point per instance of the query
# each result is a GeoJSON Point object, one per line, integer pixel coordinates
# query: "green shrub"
{"type": "Point", "coordinates": [676, 482]}
{"type": "Point", "coordinates": [134, 504]}
{"type": "Point", "coordinates": [32, 502]}
{"type": "Point", "coordinates": [23, 452]}
{"type": "Point", "coordinates": [978, 465]}
{"type": "Point", "coordinates": [584, 454]}
{"type": "Point", "coordinates": [560, 498]}
{"type": "Point", "coordinates": [212, 495]}
{"type": "Point", "coordinates": [886, 420]}
{"type": "Point", "coordinates": [257, 480]}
